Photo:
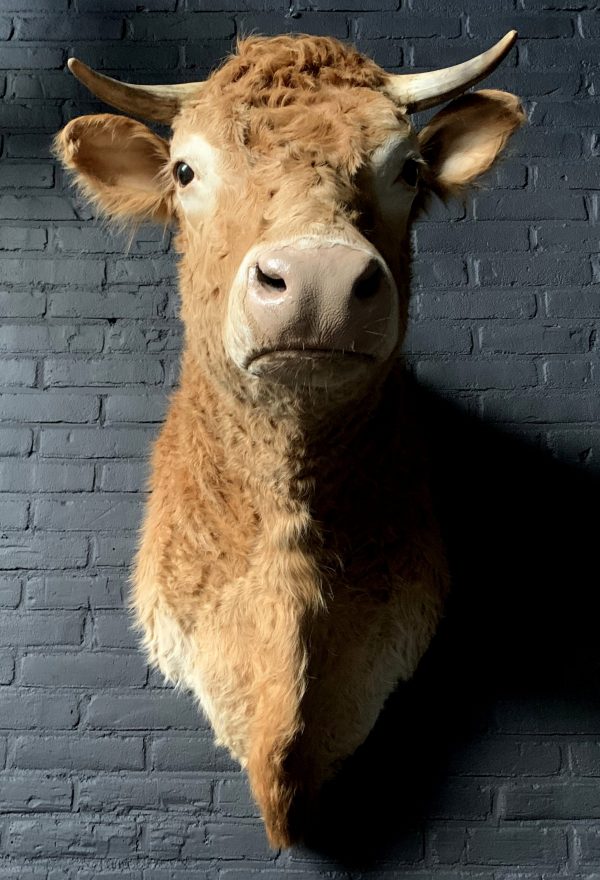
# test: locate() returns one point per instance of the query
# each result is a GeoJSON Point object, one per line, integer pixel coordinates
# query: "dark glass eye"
{"type": "Point", "coordinates": [410, 172]}
{"type": "Point", "coordinates": [183, 173]}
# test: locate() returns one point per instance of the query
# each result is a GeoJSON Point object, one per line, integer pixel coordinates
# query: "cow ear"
{"type": "Point", "coordinates": [119, 164]}
{"type": "Point", "coordinates": [465, 138]}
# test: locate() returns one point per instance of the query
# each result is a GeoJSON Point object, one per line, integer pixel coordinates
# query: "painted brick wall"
{"type": "Point", "coordinates": [488, 764]}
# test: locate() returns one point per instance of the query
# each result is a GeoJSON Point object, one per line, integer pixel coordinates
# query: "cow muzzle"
{"type": "Point", "coordinates": [312, 312]}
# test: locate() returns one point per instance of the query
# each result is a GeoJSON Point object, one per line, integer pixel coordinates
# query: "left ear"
{"type": "Point", "coordinates": [465, 138]}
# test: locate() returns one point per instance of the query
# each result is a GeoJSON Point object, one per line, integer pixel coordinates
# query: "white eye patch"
{"type": "Point", "coordinates": [198, 196]}
{"type": "Point", "coordinates": [392, 191]}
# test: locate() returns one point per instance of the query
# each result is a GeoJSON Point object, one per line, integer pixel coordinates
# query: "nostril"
{"type": "Point", "coordinates": [367, 285]}
{"type": "Point", "coordinates": [272, 280]}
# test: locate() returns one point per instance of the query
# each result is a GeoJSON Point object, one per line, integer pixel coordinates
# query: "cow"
{"type": "Point", "coordinates": [290, 570]}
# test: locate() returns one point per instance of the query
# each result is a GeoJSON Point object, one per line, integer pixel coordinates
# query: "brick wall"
{"type": "Point", "coordinates": [488, 764]}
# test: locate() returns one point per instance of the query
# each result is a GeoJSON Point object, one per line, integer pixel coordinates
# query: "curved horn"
{"type": "Point", "coordinates": [161, 103]}
{"type": "Point", "coordinates": [418, 91]}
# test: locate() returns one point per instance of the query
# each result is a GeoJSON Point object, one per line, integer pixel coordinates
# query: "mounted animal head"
{"type": "Point", "coordinates": [292, 175]}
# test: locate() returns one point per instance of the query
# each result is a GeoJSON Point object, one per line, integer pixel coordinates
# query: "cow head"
{"type": "Point", "coordinates": [292, 175]}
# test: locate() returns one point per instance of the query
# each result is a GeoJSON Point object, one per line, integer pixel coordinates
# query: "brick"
{"type": "Point", "coordinates": [235, 799]}
{"type": "Point", "coordinates": [128, 337]}
{"type": "Point", "coordinates": [42, 550]}
{"type": "Point", "coordinates": [83, 752]}
{"type": "Point", "coordinates": [40, 629]}
{"type": "Point", "coordinates": [437, 337]}
{"type": "Point", "coordinates": [467, 237]}
{"type": "Point", "coordinates": [232, 840]}
{"type": "Point", "coordinates": [135, 407]}
{"type": "Point", "coordinates": [15, 116]}
{"type": "Point", "coordinates": [68, 28]}
{"type": "Point", "coordinates": [45, 476]}
{"type": "Point", "coordinates": [43, 207]}
{"type": "Point", "coordinates": [48, 838]}
{"type": "Point", "coordinates": [541, 407]}
{"type": "Point", "coordinates": [145, 302]}
{"type": "Point", "coordinates": [19, 176]}
{"type": "Point", "coordinates": [571, 800]}
{"type": "Point", "coordinates": [7, 668]}
{"type": "Point", "coordinates": [34, 793]}
{"type": "Point", "coordinates": [114, 630]}
{"type": "Point", "coordinates": [479, 304]}
{"type": "Point", "coordinates": [563, 373]}
{"type": "Point", "coordinates": [14, 514]}
{"type": "Point", "coordinates": [518, 846]}
{"type": "Point", "coordinates": [17, 372]}
{"type": "Point", "coordinates": [439, 272]}
{"type": "Point", "coordinates": [190, 26]}
{"type": "Point", "coordinates": [374, 25]}
{"type": "Point", "coordinates": [82, 513]}
{"type": "Point", "coordinates": [190, 753]}
{"type": "Point", "coordinates": [585, 757]}
{"type": "Point", "coordinates": [136, 271]}
{"type": "Point", "coordinates": [50, 271]}
{"type": "Point", "coordinates": [53, 337]}
{"type": "Point", "coordinates": [538, 339]}
{"type": "Point", "coordinates": [28, 146]}
{"type": "Point", "coordinates": [572, 303]}
{"type": "Point", "coordinates": [15, 441]}
{"type": "Point", "coordinates": [157, 792]}
{"type": "Point", "coordinates": [120, 57]}
{"type": "Point", "coordinates": [22, 303]}
{"type": "Point", "coordinates": [589, 847]}
{"type": "Point", "coordinates": [73, 591]}
{"type": "Point", "coordinates": [108, 370]}
{"type": "Point", "coordinates": [10, 592]}
{"type": "Point", "coordinates": [124, 476]}
{"type": "Point", "coordinates": [148, 711]}
{"type": "Point", "coordinates": [477, 374]}
{"type": "Point", "coordinates": [28, 710]}
{"type": "Point", "coordinates": [49, 407]}
{"type": "Point", "coordinates": [115, 550]}
{"type": "Point", "coordinates": [95, 669]}
{"type": "Point", "coordinates": [537, 25]}
{"type": "Point", "coordinates": [95, 442]}
{"type": "Point", "coordinates": [542, 269]}
{"type": "Point", "coordinates": [529, 206]}
{"type": "Point", "coordinates": [18, 57]}
{"type": "Point", "coordinates": [274, 22]}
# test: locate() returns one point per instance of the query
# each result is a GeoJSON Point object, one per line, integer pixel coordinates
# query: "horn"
{"type": "Point", "coordinates": [418, 91]}
{"type": "Point", "coordinates": [160, 103]}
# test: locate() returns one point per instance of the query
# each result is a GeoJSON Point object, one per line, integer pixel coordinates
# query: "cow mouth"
{"type": "Point", "coordinates": [308, 366]}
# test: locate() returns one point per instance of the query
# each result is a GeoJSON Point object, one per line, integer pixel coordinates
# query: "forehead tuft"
{"type": "Point", "coordinates": [263, 66]}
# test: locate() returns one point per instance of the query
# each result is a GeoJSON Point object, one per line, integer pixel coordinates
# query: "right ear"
{"type": "Point", "coordinates": [119, 164]}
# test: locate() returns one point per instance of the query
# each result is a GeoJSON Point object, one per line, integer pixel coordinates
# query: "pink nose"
{"type": "Point", "coordinates": [328, 297]}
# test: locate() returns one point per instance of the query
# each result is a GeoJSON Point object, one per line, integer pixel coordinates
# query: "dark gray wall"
{"type": "Point", "coordinates": [488, 764]}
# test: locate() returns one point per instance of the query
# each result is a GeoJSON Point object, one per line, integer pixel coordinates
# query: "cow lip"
{"type": "Point", "coordinates": [313, 352]}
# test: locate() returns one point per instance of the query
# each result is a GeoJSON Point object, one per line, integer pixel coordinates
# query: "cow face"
{"type": "Point", "coordinates": [292, 176]}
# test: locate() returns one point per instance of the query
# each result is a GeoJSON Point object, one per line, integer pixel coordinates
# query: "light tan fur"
{"type": "Point", "coordinates": [290, 570]}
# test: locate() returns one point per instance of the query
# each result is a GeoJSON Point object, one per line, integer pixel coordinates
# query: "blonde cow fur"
{"type": "Point", "coordinates": [290, 570]}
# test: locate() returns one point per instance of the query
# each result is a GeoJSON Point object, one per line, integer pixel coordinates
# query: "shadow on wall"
{"type": "Point", "coordinates": [521, 626]}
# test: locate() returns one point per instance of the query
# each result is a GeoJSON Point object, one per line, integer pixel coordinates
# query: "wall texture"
{"type": "Point", "coordinates": [488, 764]}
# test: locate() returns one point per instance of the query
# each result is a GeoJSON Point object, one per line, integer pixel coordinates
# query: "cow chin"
{"type": "Point", "coordinates": [311, 368]}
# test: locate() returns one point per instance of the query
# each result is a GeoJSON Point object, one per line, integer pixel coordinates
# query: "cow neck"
{"type": "Point", "coordinates": [288, 456]}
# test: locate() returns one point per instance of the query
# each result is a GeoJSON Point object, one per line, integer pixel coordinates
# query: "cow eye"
{"type": "Point", "coordinates": [410, 172]}
{"type": "Point", "coordinates": [183, 173]}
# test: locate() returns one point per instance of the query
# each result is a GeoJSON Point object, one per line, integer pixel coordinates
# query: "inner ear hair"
{"type": "Point", "coordinates": [117, 162]}
{"type": "Point", "coordinates": [464, 139]}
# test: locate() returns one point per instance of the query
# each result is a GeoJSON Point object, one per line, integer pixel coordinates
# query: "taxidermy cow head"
{"type": "Point", "coordinates": [290, 570]}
